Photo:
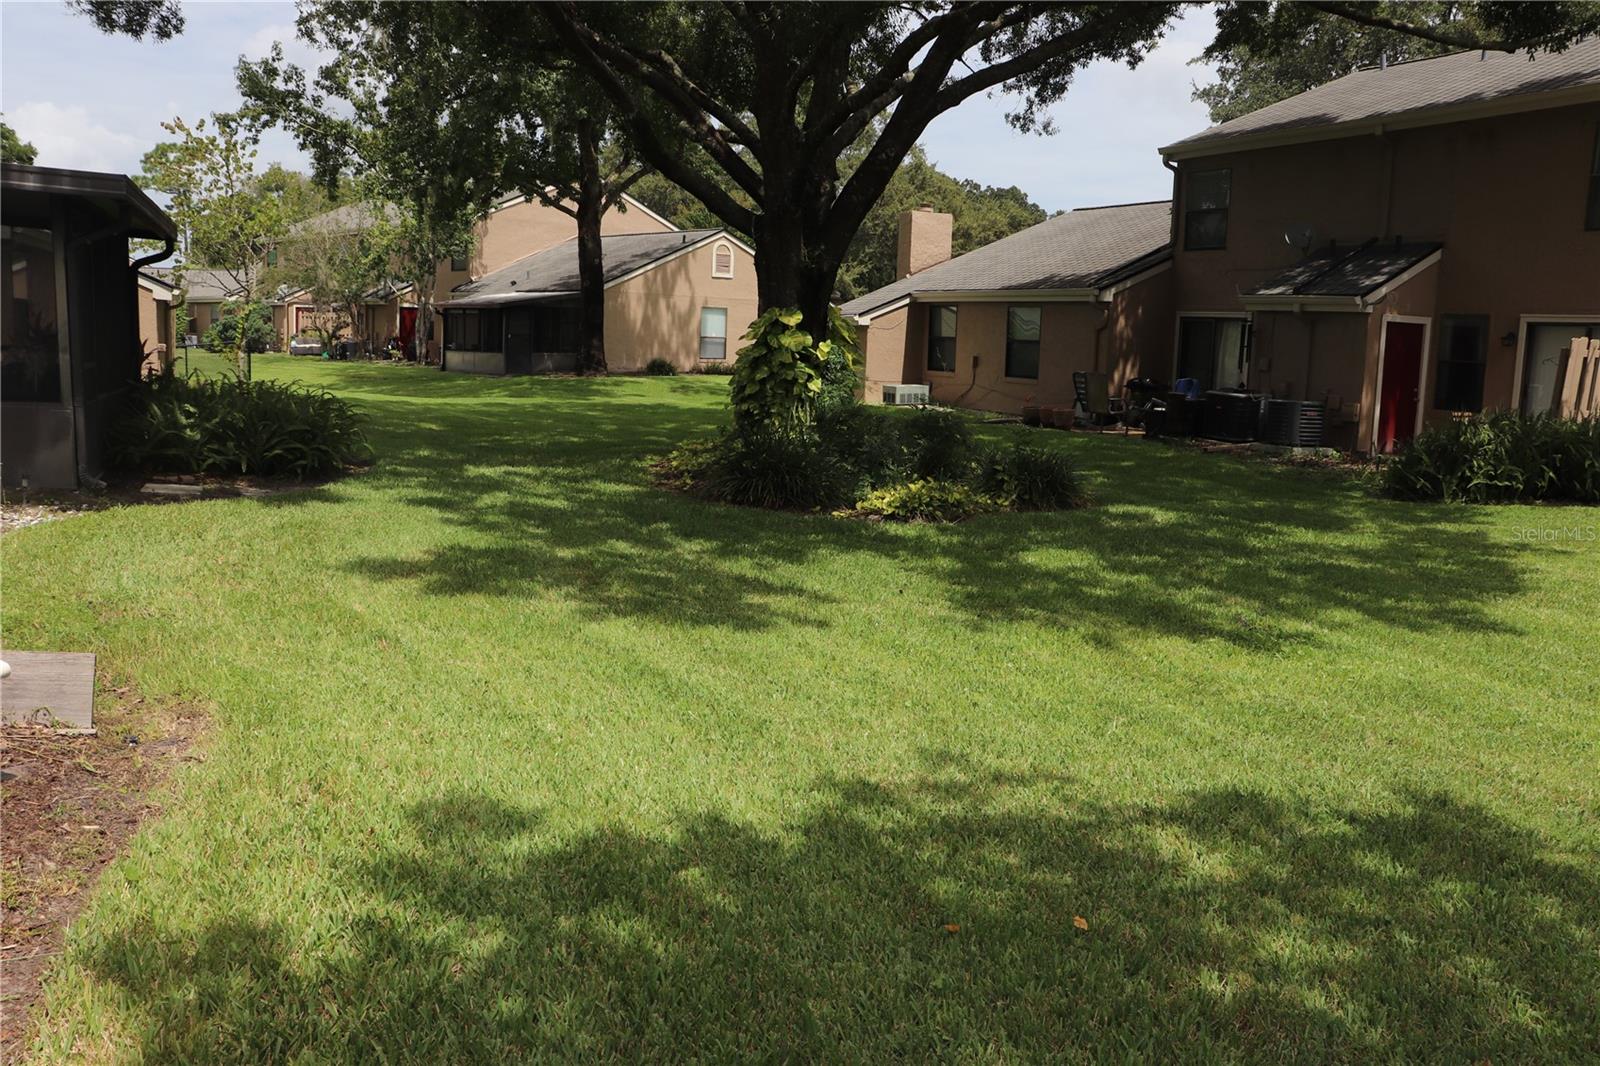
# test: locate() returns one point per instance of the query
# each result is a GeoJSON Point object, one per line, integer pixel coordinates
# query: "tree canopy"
{"type": "Point", "coordinates": [14, 149]}
{"type": "Point", "coordinates": [159, 20]}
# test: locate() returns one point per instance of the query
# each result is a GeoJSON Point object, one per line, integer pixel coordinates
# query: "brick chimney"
{"type": "Point", "coordinates": [924, 240]}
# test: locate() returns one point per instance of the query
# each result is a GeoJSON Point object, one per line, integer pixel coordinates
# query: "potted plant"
{"type": "Point", "coordinates": [1030, 412]}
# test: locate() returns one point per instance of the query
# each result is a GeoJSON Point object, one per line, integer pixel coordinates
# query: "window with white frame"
{"type": "Point", "coordinates": [722, 260]}
{"type": "Point", "coordinates": [713, 333]}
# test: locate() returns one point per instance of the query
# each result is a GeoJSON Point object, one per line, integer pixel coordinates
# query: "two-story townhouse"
{"type": "Point", "coordinates": [1398, 245]}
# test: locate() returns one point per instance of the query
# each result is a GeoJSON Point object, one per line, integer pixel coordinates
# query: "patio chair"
{"type": "Point", "coordinates": [1092, 395]}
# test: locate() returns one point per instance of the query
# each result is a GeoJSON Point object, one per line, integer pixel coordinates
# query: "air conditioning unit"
{"type": "Point", "coordinates": [902, 395]}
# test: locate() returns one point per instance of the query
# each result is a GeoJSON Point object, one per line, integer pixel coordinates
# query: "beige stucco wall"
{"type": "Point", "coordinates": [156, 320]}
{"type": "Point", "coordinates": [1124, 337]}
{"type": "Point", "coordinates": [657, 314]}
{"type": "Point", "coordinates": [202, 315]}
{"type": "Point", "coordinates": [520, 229]}
{"type": "Point", "coordinates": [885, 353]}
{"type": "Point", "coordinates": [1505, 195]}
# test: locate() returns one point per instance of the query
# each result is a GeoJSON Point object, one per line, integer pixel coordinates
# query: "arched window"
{"type": "Point", "coordinates": [722, 260]}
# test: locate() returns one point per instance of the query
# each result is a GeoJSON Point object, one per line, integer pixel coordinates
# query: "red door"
{"type": "Point", "coordinates": [1401, 388]}
{"type": "Point", "coordinates": [408, 328]}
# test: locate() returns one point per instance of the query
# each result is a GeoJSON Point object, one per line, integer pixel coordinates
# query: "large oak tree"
{"type": "Point", "coordinates": [772, 94]}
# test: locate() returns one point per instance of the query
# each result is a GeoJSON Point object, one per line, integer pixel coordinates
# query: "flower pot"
{"type": "Point", "coordinates": [1030, 414]}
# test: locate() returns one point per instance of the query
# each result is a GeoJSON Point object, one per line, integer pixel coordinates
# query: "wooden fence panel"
{"type": "Point", "coordinates": [1580, 392]}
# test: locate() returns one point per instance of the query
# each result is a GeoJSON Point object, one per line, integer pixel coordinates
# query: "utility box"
{"type": "Point", "coordinates": [905, 395]}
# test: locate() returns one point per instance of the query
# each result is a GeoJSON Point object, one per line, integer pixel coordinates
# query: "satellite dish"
{"type": "Point", "coordinates": [1299, 236]}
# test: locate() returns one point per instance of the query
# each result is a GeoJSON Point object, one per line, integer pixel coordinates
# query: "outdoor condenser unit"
{"type": "Point", "coordinates": [901, 395]}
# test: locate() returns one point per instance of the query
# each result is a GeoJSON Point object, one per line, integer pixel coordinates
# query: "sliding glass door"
{"type": "Point", "coordinates": [1214, 351]}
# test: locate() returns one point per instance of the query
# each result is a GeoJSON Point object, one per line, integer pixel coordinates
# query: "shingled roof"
{"type": "Point", "coordinates": [1089, 248]}
{"type": "Point", "coordinates": [1419, 92]}
{"type": "Point", "coordinates": [554, 271]}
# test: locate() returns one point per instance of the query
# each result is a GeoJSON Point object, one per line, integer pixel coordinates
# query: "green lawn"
{"type": "Point", "coordinates": [514, 756]}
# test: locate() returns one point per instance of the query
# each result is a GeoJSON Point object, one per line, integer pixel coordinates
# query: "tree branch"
{"type": "Point", "coordinates": [562, 19]}
{"type": "Point", "coordinates": [1436, 34]}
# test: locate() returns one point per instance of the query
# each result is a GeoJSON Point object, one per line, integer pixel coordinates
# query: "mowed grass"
{"type": "Point", "coordinates": [515, 757]}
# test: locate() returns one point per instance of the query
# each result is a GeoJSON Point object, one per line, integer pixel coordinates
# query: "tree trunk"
{"type": "Point", "coordinates": [789, 273]}
{"type": "Point", "coordinates": [591, 255]}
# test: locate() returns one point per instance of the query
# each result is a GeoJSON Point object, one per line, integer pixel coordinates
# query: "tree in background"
{"type": "Point", "coordinates": [401, 110]}
{"type": "Point", "coordinates": [217, 201]}
{"type": "Point", "coordinates": [14, 149]}
{"type": "Point", "coordinates": [336, 267]}
{"type": "Point", "coordinates": [542, 128]}
{"type": "Point", "coordinates": [983, 214]}
{"type": "Point", "coordinates": [1264, 53]}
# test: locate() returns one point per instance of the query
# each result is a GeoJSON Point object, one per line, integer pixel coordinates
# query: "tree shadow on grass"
{"type": "Point", "coordinates": [1188, 545]}
{"type": "Point", "coordinates": [920, 920]}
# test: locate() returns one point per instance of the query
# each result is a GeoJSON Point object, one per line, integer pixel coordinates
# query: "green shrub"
{"type": "Point", "coordinates": [781, 465]}
{"type": "Point", "coordinates": [223, 336]}
{"type": "Point", "coordinates": [864, 441]}
{"type": "Point", "coordinates": [687, 464]}
{"type": "Point", "coordinates": [715, 367]}
{"type": "Point", "coordinates": [1499, 457]}
{"type": "Point", "coordinates": [1030, 478]}
{"type": "Point", "coordinates": [221, 426]}
{"type": "Point", "coordinates": [659, 367]}
{"type": "Point", "coordinates": [841, 363]}
{"type": "Point", "coordinates": [781, 373]}
{"type": "Point", "coordinates": [941, 445]}
{"type": "Point", "coordinates": [927, 501]}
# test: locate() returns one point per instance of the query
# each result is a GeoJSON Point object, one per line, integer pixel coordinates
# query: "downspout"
{"type": "Point", "coordinates": [1172, 243]}
{"type": "Point", "coordinates": [1172, 236]}
{"type": "Point", "coordinates": [169, 247]}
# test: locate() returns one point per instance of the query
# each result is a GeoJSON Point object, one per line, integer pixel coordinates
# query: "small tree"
{"type": "Point", "coordinates": [231, 222]}
{"type": "Point", "coordinates": [337, 267]}
{"type": "Point", "coordinates": [417, 135]}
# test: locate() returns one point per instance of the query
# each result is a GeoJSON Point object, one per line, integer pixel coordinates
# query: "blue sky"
{"type": "Point", "coordinates": [95, 102]}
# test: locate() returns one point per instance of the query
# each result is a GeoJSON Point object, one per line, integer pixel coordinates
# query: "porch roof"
{"type": "Point", "coordinates": [1352, 271]}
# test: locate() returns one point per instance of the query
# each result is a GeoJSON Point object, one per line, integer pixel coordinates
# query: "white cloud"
{"type": "Point", "coordinates": [1109, 126]}
{"type": "Point", "coordinates": [67, 137]}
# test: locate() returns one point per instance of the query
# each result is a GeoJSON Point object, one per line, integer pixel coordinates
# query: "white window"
{"type": "Point", "coordinates": [713, 333]}
{"type": "Point", "coordinates": [722, 260]}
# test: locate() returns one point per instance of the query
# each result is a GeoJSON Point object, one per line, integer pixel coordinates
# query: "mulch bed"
{"type": "Point", "coordinates": [69, 804]}
{"type": "Point", "coordinates": [19, 509]}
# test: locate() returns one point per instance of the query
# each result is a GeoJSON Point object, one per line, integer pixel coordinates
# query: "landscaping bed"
{"type": "Point", "coordinates": [71, 803]}
{"type": "Point", "coordinates": [870, 462]}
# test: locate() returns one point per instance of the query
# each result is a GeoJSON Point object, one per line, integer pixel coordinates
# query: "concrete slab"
{"type": "Point", "coordinates": [50, 688]}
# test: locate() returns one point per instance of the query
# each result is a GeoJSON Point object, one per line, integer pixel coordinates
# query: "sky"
{"type": "Point", "coordinates": [95, 102]}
